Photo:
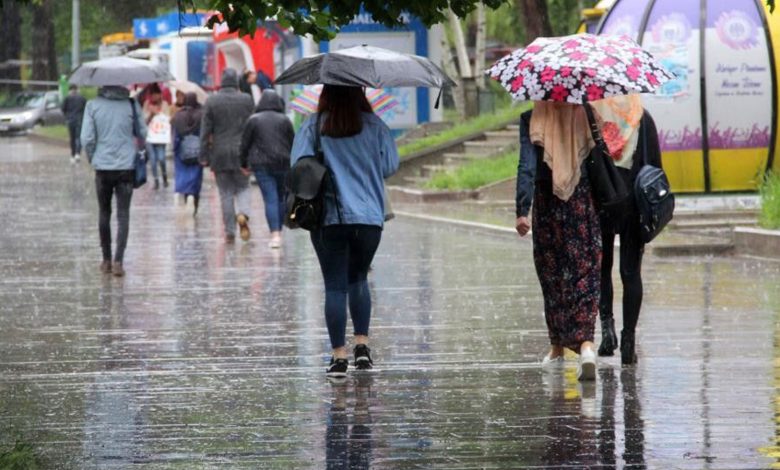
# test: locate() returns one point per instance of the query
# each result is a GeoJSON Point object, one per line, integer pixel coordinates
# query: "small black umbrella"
{"type": "Point", "coordinates": [366, 66]}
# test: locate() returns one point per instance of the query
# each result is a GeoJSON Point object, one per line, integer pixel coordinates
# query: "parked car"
{"type": "Point", "coordinates": [27, 109]}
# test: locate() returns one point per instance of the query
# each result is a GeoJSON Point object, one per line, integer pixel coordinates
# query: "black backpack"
{"type": "Point", "coordinates": [653, 197]}
{"type": "Point", "coordinates": [654, 201]}
{"type": "Point", "coordinates": [307, 183]}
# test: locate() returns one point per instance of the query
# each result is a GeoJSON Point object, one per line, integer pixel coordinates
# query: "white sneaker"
{"type": "Point", "coordinates": [73, 160]}
{"type": "Point", "coordinates": [550, 363]}
{"type": "Point", "coordinates": [77, 157]}
{"type": "Point", "coordinates": [587, 368]}
{"type": "Point", "coordinates": [276, 241]}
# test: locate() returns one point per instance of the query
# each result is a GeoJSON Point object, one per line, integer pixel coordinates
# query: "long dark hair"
{"type": "Point", "coordinates": [343, 106]}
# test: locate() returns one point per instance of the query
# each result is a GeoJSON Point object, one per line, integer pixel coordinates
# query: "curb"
{"type": "Point", "coordinates": [757, 242]}
{"type": "Point", "coordinates": [401, 194]}
{"type": "Point", "coordinates": [495, 229]}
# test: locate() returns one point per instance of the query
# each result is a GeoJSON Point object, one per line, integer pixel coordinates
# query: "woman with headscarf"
{"type": "Point", "coordinates": [554, 142]}
{"type": "Point", "coordinates": [632, 140]}
{"type": "Point", "coordinates": [186, 150]}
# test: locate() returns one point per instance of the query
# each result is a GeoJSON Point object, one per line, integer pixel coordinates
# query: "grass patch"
{"type": "Point", "coordinates": [477, 124]}
{"type": "Point", "coordinates": [55, 132]}
{"type": "Point", "coordinates": [770, 201]}
{"type": "Point", "coordinates": [477, 173]}
{"type": "Point", "coordinates": [21, 457]}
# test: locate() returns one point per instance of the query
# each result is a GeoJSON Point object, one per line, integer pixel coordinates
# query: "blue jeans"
{"type": "Point", "coordinates": [272, 188]}
{"type": "Point", "coordinates": [157, 156]}
{"type": "Point", "coordinates": [345, 253]}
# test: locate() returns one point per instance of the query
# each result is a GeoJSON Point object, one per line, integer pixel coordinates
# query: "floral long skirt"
{"type": "Point", "coordinates": [567, 255]}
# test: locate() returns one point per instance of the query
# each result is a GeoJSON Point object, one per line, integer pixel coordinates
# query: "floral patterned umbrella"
{"type": "Point", "coordinates": [579, 68]}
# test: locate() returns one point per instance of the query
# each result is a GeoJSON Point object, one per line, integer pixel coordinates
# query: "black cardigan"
{"type": "Point", "coordinates": [531, 169]}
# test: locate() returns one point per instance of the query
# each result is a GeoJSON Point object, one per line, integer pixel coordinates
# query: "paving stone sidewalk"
{"type": "Point", "coordinates": [207, 355]}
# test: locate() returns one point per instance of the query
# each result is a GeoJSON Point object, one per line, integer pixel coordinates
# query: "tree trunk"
{"type": "Point", "coordinates": [44, 55]}
{"type": "Point", "coordinates": [466, 85]}
{"type": "Point", "coordinates": [536, 19]}
{"type": "Point", "coordinates": [449, 68]}
{"type": "Point", "coordinates": [464, 65]}
{"type": "Point", "coordinates": [10, 43]}
{"type": "Point", "coordinates": [479, 47]}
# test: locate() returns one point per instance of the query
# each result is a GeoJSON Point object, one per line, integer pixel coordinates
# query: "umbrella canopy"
{"type": "Point", "coordinates": [185, 87]}
{"type": "Point", "coordinates": [308, 100]}
{"type": "Point", "coordinates": [579, 68]}
{"type": "Point", "coordinates": [367, 66]}
{"type": "Point", "coordinates": [119, 71]}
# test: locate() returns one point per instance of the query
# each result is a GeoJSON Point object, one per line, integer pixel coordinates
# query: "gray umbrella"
{"type": "Point", "coordinates": [367, 66]}
{"type": "Point", "coordinates": [119, 71]}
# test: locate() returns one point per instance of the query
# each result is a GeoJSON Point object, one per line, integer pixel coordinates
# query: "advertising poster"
{"type": "Point", "coordinates": [739, 79]}
{"type": "Point", "coordinates": [673, 37]}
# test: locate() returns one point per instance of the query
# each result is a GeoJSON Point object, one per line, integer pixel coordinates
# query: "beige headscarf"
{"type": "Point", "coordinates": [563, 130]}
{"type": "Point", "coordinates": [619, 119]}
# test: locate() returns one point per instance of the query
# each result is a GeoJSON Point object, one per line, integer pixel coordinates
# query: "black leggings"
{"type": "Point", "coordinates": [108, 183]}
{"type": "Point", "coordinates": [631, 251]}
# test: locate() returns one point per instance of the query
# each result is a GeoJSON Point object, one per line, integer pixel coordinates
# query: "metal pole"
{"type": "Point", "coordinates": [75, 58]}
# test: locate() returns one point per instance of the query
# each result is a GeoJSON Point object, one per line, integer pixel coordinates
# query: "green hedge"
{"type": "Point", "coordinates": [477, 173]}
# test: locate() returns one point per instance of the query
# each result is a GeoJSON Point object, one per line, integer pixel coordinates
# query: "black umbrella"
{"type": "Point", "coordinates": [119, 71]}
{"type": "Point", "coordinates": [366, 66]}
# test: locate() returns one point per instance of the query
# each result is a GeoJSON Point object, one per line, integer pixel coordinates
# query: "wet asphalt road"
{"type": "Point", "coordinates": [208, 355]}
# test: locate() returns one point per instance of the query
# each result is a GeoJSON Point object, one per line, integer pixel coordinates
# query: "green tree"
{"type": "Point", "coordinates": [10, 42]}
{"type": "Point", "coordinates": [322, 19]}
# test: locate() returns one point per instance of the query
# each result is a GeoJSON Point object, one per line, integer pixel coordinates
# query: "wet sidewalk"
{"type": "Point", "coordinates": [208, 355]}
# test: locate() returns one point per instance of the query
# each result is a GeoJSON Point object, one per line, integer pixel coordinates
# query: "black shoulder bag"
{"type": "Point", "coordinates": [140, 152]}
{"type": "Point", "coordinates": [307, 183]}
{"type": "Point", "coordinates": [610, 192]}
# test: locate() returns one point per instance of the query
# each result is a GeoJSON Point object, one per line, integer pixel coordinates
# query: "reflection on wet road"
{"type": "Point", "coordinates": [207, 355]}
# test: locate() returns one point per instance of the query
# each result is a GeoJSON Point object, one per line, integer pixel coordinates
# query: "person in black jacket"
{"type": "Point", "coordinates": [73, 109]}
{"type": "Point", "coordinates": [636, 147]}
{"type": "Point", "coordinates": [265, 148]}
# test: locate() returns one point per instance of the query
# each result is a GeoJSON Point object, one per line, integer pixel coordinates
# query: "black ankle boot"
{"type": "Point", "coordinates": [608, 338]}
{"type": "Point", "coordinates": [627, 348]}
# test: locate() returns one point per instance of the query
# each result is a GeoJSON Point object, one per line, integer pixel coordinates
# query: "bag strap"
{"type": "Point", "coordinates": [135, 118]}
{"type": "Point", "coordinates": [319, 152]}
{"type": "Point", "coordinates": [595, 132]}
{"type": "Point", "coordinates": [644, 140]}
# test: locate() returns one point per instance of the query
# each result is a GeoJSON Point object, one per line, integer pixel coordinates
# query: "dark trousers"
{"type": "Point", "coordinates": [345, 253]}
{"type": "Point", "coordinates": [271, 185]}
{"type": "Point", "coordinates": [108, 184]}
{"type": "Point", "coordinates": [631, 251]}
{"type": "Point", "coordinates": [74, 131]}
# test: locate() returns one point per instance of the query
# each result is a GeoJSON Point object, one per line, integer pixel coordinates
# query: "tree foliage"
{"type": "Point", "coordinates": [322, 19]}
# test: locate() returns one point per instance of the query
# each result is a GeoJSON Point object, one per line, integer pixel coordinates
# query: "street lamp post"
{"type": "Point", "coordinates": [75, 58]}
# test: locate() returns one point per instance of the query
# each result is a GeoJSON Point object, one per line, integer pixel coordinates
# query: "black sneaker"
{"type": "Point", "coordinates": [363, 358]}
{"type": "Point", "coordinates": [337, 368]}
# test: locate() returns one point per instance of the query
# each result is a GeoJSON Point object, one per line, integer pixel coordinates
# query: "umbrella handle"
{"type": "Point", "coordinates": [438, 99]}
